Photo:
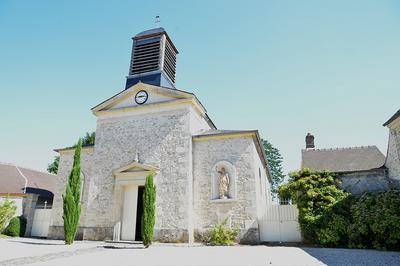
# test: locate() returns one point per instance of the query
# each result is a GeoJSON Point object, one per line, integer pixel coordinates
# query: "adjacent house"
{"type": "Point", "coordinates": [203, 175]}
{"type": "Point", "coordinates": [360, 169]}
{"type": "Point", "coordinates": [29, 189]}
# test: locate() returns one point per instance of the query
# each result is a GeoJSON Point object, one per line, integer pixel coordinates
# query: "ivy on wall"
{"type": "Point", "coordinates": [329, 216]}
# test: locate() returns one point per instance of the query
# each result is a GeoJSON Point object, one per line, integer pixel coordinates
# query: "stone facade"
{"type": "Point", "coordinates": [248, 202]}
{"type": "Point", "coordinates": [64, 170]}
{"type": "Point", "coordinates": [393, 154]}
{"type": "Point", "coordinates": [163, 137]}
{"type": "Point", "coordinates": [365, 181]}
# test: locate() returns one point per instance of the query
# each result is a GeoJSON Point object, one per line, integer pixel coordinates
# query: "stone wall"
{"type": "Point", "coordinates": [64, 170]}
{"type": "Point", "coordinates": [367, 181]}
{"type": "Point", "coordinates": [393, 154]}
{"type": "Point", "coordinates": [241, 210]}
{"type": "Point", "coordinates": [162, 140]}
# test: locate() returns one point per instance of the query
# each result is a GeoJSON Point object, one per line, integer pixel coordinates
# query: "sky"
{"type": "Point", "coordinates": [283, 67]}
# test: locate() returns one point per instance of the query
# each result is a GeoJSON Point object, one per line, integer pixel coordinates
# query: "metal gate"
{"type": "Point", "coordinates": [280, 224]}
{"type": "Point", "coordinates": [41, 222]}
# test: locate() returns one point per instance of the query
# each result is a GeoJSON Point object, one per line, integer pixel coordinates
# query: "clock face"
{"type": "Point", "coordinates": [141, 97]}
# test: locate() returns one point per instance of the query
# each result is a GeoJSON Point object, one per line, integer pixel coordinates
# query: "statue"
{"type": "Point", "coordinates": [223, 184]}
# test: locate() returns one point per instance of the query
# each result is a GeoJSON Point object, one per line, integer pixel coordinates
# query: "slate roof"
{"type": "Point", "coordinates": [12, 182]}
{"type": "Point", "coordinates": [394, 117]}
{"type": "Point", "coordinates": [343, 159]}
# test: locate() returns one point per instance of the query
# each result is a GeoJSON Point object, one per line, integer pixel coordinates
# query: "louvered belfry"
{"type": "Point", "coordinates": [153, 59]}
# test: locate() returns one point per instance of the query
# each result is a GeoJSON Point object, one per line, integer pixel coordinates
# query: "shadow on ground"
{"type": "Point", "coordinates": [37, 243]}
{"type": "Point", "coordinates": [334, 256]}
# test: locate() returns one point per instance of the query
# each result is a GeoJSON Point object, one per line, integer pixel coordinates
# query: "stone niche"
{"type": "Point", "coordinates": [230, 171]}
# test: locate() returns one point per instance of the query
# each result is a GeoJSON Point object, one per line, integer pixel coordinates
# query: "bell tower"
{"type": "Point", "coordinates": [153, 59]}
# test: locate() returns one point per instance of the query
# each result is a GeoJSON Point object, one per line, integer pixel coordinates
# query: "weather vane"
{"type": "Point", "coordinates": [157, 19]}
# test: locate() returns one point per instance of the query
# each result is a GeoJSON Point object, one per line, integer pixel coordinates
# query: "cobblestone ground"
{"type": "Point", "coordinates": [49, 252]}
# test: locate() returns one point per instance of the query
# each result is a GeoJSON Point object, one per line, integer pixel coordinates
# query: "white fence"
{"type": "Point", "coordinates": [41, 222]}
{"type": "Point", "coordinates": [280, 224]}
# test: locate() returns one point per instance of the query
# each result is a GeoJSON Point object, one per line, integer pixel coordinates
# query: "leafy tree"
{"type": "Point", "coordinates": [71, 199]}
{"type": "Point", "coordinates": [275, 161]}
{"type": "Point", "coordinates": [53, 167]}
{"type": "Point", "coordinates": [88, 139]}
{"type": "Point", "coordinates": [316, 195]}
{"type": "Point", "coordinates": [149, 211]}
{"type": "Point", "coordinates": [7, 211]}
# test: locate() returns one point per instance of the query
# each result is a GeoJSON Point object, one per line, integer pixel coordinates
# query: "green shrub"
{"type": "Point", "coordinates": [222, 235]}
{"type": "Point", "coordinates": [316, 195]}
{"type": "Point", "coordinates": [7, 211]}
{"type": "Point", "coordinates": [16, 227]}
{"type": "Point", "coordinates": [376, 221]}
{"type": "Point", "coordinates": [71, 198]}
{"type": "Point", "coordinates": [335, 224]}
{"type": "Point", "coordinates": [149, 211]}
{"type": "Point", "coordinates": [330, 217]}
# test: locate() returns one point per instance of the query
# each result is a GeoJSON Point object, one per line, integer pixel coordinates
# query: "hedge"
{"type": "Point", "coordinates": [330, 217]}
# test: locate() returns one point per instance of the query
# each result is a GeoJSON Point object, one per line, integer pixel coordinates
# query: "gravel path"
{"type": "Point", "coordinates": [332, 256]}
{"type": "Point", "coordinates": [51, 253]}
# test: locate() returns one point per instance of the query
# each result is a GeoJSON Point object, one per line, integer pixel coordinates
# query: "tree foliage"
{"type": "Point", "coordinates": [7, 211]}
{"type": "Point", "coordinates": [53, 167]}
{"type": "Point", "coordinates": [376, 221]}
{"type": "Point", "coordinates": [71, 198]}
{"type": "Point", "coordinates": [275, 161]}
{"type": "Point", "coordinates": [88, 139]}
{"type": "Point", "coordinates": [149, 211]}
{"type": "Point", "coordinates": [315, 193]}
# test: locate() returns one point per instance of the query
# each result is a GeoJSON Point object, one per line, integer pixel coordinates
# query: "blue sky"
{"type": "Point", "coordinates": [283, 67]}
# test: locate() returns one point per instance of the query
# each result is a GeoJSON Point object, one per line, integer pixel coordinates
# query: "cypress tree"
{"type": "Point", "coordinates": [71, 198]}
{"type": "Point", "coordinates": [149, 211]}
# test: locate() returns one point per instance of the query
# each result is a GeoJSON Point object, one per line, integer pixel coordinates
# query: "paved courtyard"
{"type": "Point", "coordinates": [23, 251]}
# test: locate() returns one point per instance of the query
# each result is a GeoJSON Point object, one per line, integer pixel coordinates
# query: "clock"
{"type": "Point", "coordinates": [141, 97]}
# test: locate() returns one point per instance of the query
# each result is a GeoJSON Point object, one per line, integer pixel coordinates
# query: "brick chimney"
{"type": "Point", "coordinates": [310, 141]}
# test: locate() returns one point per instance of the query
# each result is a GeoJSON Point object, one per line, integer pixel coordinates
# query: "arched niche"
{"type": "Point", "coordinates": [215, 177]}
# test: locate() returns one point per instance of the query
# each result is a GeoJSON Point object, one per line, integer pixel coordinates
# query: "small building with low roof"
{"type": "Point", "coordinates": [360, 169]}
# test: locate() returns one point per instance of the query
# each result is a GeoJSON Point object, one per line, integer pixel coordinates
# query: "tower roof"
{"type": "Point", "coordinates": [153, 59]}
{"type": "Point", "coordinates": [153, 33]}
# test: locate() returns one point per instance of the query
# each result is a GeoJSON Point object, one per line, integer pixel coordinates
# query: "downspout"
{"type": "Point", "coordinates": [26, 179]}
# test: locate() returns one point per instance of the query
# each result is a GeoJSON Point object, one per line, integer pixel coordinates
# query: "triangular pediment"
{"type": "Point", "coordinates": [153, 95]}
{"type": "Point", "coordinates": [135, 168]}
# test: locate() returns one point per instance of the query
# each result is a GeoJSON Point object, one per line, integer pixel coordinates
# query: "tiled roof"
{"type": "Point", "coordinates": [73, 147]}
{"type": "Point", "coordinates": [223, 132]}
{"type": "Point", "coordinates": [11, 180]}
{"type": "Point", "coordinates": [343, 159]}
{"type": "Point", "coordinates": [394, 117]}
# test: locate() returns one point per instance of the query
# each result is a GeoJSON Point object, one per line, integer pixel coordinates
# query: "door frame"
{"type": "Point", "coordinates": [134, 174]}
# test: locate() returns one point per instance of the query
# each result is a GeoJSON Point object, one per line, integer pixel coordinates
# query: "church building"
{"type": "Point", "coordinates": [203, 175]}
